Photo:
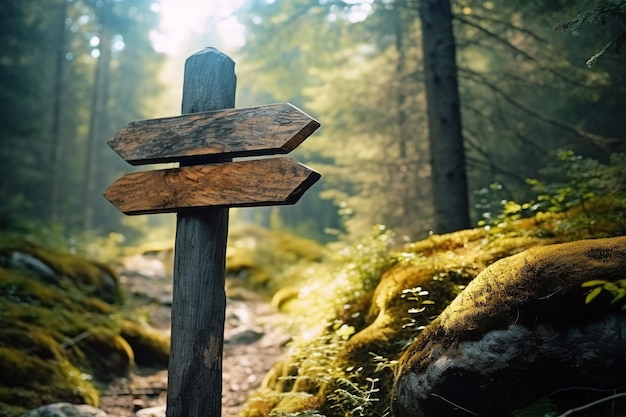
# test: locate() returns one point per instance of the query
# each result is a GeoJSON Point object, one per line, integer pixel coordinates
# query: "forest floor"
{"type": "Point", "coordinates": [253, 342]}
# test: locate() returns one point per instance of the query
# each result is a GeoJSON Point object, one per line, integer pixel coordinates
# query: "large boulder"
{"type": "Point", "coordinates": [520, 331]}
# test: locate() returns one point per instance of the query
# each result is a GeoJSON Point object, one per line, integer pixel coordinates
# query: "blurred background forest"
{"type": "Point", "coordinates": [74, 72]}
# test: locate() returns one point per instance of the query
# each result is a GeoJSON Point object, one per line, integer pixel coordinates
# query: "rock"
{"type": "Point", "coordinates": [152, 412]}
{"type": "Point", "coordinates": [146, 276]}
{"type": "Point", "coordinates": [520, 331]}
{"type": "Point", "coordinates": [244, 337]}
{"type": "Point", "coordinates": [109, 287]}
{"type": "Point", "coordinates": [138, 404]}
{"type": "Point", "coordinates": [146, 266]}
{"type": "Point", "coordinates": [25, 261]}
{"type": "Point", "coordinates": [65, 410]}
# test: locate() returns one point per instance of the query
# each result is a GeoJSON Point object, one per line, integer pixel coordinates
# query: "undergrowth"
{"type": "Point", "coordinates": [64, 329]}
{"type": "Point", "coordinates": [581, 197]}
{"type": "Point", "coordinates": [55, 237]}
{"type": "Point", "coordinates": [357, 310]}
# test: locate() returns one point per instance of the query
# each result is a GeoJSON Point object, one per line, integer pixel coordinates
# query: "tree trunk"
{"type": "Point", "coordinates": [56, 113]}
{"type": "Point", "coordinates": [445, 138]}
{"type": "Point", "coordinates": [401, 173]}
{"type": "Point", "coordinates": [97, 111]}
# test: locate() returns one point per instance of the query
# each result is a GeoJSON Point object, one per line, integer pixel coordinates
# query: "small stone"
{"type": "Point", "coordinates": [152, 412]}
{"type": "Point", "coordinates": [65, 410]}
{"type": "Point", "coordinates": [245, 337]}
{"type": "Point", "coordinates": [28, 262]}
{"type": "Point", "coordinates": [138, 404]}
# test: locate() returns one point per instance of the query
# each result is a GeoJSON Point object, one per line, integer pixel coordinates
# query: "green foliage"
{"type": "Point", "coordinates": [353, 400]}
{"type": "Point", "coordinates": [48, 174]}
{"type": "Point", "coordinates": [603, 12]}
{"type": "Point", "coordinates": [577, 179]}
{"type": "Point", "coordinates": [416, 295]}
{"type": "Point", "coordinates": [348, 275]}
{"type": "Point", "coordinates": [349, 272]}
{"type": "Point", "coordinates": [616, 289]}
{"type": "Point", "coordinates": [263, 260]}
{"type": "Point", "coordinates": [362, 78]}
{"type": "Point", "coordinates": [370, 302]}
{"type": "Point", "coordinates": [58, 238]}
{"type": "Point", "coordinates": [539, 408]}
{"type": "Point", "coordinates": [572, 184]}
{"type": "Point", "coordinates": [346, 391]}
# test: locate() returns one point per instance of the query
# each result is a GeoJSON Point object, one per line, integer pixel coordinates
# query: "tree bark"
{"type": "Point", "coordinates": [449, 178]}
{"type": "Point", "coordinates": [56, 113]}
{"type": "Point", "coordinates": [98, 110]}
{"type": "Point", "coordinates": [199, 305]}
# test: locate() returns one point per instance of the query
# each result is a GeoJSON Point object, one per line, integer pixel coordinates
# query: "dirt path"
{"type": "Point", "coordinates": [252, 344]}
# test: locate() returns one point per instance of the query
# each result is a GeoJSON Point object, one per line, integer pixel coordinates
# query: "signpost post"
{"type": "Point", "coordinates": [204, 140]}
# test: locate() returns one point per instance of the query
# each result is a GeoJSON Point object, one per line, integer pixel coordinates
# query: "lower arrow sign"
{"type": "Point", "coordinates": [259, 182]}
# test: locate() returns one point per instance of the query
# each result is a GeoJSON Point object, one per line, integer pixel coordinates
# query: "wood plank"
{"type": "Point", "coordinates": [205, 137]}
{"type": "Point", "coordinates": [250, 183]}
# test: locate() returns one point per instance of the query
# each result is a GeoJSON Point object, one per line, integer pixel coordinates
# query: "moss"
{"type": "Point", "coordinates": [257, 258]}
{"type": "Point", "coordinates": [517, 281]}
{"type": "Point", "coordinates": [29, 381]}
{"type": "Point", "coordinates": [370, 291]}
{"type": "Point", "coordinates": [57, 340]}
{"type": "Point", "coordinates": [8, 410]}
{"type": "Point", "coordinates": [90, 277]}
{"type": "Point", "coordinates": [19, 288]}
{"type": "Point", "coordinates": [260, 403]}
{"type": "Point", "coordinates": [106, 353]}
{"type": "Point", "coordinates": [440, 274]}
{"type": "Point", "coordinates": [31, 340]}
{"type": "Point", "coordinates": [149, 347]}
{"type": "Point", "coordinates": [510, 291]}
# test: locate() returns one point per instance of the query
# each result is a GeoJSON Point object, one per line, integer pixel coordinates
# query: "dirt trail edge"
{"type": "Point", "coordinates": [252, 344]}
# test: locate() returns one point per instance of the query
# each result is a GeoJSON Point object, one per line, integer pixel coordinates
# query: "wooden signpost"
{"type": "Point", "coordinates": [204, 140]}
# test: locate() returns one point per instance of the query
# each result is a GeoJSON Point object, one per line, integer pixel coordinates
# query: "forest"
{"type": "Point", "coordinates": [444, 125]}
{"type": "Point", "coordinates": [524, 93]}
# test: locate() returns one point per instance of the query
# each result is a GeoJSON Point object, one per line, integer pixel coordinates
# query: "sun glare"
{"type": "Point", "coordinates": [184, 20]}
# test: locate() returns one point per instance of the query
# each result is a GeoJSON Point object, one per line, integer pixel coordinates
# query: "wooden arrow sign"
{"type": "Point", "coordinates": [215, 135]}
{"type": "Point", "coordinates": [260, 182]}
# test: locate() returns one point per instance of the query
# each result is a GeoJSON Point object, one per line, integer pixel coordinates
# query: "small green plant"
{"type": "Point", "coordinates": [617, 289]}
{"type": "Point", "coordinates": [347, 277]}
{"type": "Point", "coordinates": [354, 400]}
{"type": "Point", "coordinates": [570, 182]}
{"type": "Point", "coordinates": [540, 408]}
{"type": "Point", "coordinates": [349, 272]}
{"type": "Point", "coordinates": [415, 295]}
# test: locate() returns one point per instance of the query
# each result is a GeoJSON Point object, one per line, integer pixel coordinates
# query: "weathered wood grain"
{"type": "Point", "coordinates": [252, 131]}
{"type": "Point", "coordinates": [194, 387]}
{"type": "Point", "coordinates": [260, 182]}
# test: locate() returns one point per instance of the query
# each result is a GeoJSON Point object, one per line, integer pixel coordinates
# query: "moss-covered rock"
{"type": "Point", "coordinates": [61, 337]}
{"type": "Point", "coordinates": [520, 331]}
{"type": "Point", "coordinates": [91, 277]}
{"type": "Point", "coordinates": [257, 259]}
{"type": "Point", "coordinates": [355, 316]}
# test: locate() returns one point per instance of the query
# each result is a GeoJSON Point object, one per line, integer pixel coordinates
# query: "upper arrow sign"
{"type": "Point", "coordinates": [259, 182]}
{"type": "Point", "coordinates": [215, 135]}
